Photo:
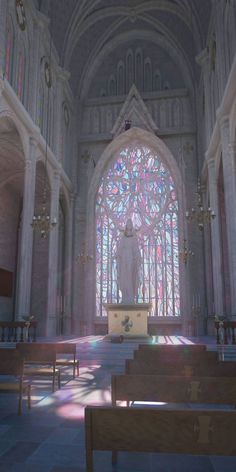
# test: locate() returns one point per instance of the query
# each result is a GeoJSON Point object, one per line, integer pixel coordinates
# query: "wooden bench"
{"type": "Point", "coordinates": [12, 369]}
{"type": "Point", "coordinates": [173, 347]}
{"type": "Point", "coordinates": [173, 389]}
{"type": "Point", "coordinates": [40, 360]}
{"type": "Point", "coordinates": [184, 368]}
{"type": "Point", "coordinates": [175, 356]}
{"type": "Point", "coordinates": [197, 432]}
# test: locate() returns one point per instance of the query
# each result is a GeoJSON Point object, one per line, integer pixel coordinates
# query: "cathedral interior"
{"type": "Point", "coordinates": [111, 111]}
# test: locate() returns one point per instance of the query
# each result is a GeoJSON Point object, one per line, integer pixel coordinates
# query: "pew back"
{"type": "Point", "coordinates": [173, 389]}
{"type": "Point", "coordinates": [40, 360]}
{"type": "Point", "coordinates": [152, 430]}
{"type": "Point", "coordinates": [175, 347]}
{"type": "Point", "coordinates": [37, 352]}
{"type": "Point", "coordinates": [187, 368]}
{"type": "Point", "coordinates": [12, 366]}
{"type": "Point", "coordinates": [67, 348]}
{"type": "Point", "coordinates": [175, 356]}
{"type": "Point", "coordinates": [11, 362]}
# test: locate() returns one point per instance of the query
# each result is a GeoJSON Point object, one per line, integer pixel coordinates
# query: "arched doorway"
{"type": "Point", "coordinates": [12, 162]}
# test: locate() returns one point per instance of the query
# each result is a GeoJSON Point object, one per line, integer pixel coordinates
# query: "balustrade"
{"type": "Point", "coordinates": [228, 328]}
{"type": "Point", "coordinates": [18, 331]}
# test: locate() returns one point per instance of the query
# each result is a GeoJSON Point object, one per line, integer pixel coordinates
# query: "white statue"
{"type": "Point", "coordinates": [128, 264]}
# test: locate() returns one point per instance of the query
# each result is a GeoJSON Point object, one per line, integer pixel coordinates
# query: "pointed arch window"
{"type": "Point", "coordinates": [139, 186]}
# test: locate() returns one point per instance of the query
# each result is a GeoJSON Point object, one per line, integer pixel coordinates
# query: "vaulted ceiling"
{"type": "Point", "coordinates": [89, 31]}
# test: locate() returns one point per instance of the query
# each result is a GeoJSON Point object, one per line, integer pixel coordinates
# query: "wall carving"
{"type": "Point", "coordinates": [169, 113]}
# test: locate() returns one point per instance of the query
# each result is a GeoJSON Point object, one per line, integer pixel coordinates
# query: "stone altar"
{"type": "Point", "coordinates": [129, 320]}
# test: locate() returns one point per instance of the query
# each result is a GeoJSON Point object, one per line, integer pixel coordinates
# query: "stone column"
{"type": "Point", "coordinates": [68, 266]}
{"type": "Point", "coordinates": [34, 66]}
{"type": "Point", "coordinates": [26, 241]}
{"type": "Point", "coordinates": [52, 306]}
{"type": "Point", "coordinates": [215, 239]}
{"type": "Point", "coordinates": [62, 76]}
{"type": "Point", "coordinates": [3, 18]}
{"type": "Point", "coordinates": [218, 12]}
{"type": "Point", "coordinates": [203, 60]}
{"type": "Point", "coordinates": [229, 171]}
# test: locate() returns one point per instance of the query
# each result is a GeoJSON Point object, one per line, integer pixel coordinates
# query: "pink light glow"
{"type": "Point", "coordinates": [71, 410]}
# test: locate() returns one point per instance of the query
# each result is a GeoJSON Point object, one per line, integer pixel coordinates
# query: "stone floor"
{"type": "Point", "coordinates": [50, 437]}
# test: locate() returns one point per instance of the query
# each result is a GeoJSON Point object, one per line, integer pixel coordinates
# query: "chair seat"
{"type": "Point", "coordinates": [66, 362]}
{"type": "Point", "coordinates": [13, 386]}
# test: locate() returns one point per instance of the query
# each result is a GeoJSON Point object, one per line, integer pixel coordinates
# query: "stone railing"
{"type": "Point", "coordinates": [18, 331]}
{"type": "Point", "coordinates": [225, 332]}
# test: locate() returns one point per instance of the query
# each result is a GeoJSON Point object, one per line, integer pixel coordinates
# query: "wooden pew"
{"type": "Point", "coordinates": [175, 347]}
{"type": "Point", "coordinates": [204, 369]}
{"type": "Point", "coordinates": [173, 389]}
{"type": "Point", "coordinates": [175, 356]}
{"type": "Point", "coordinates": [198, 432]}
{"type": "Point", "coordinates": [40, 360]}
{"type": "Point", "coordinates": [12, 371]}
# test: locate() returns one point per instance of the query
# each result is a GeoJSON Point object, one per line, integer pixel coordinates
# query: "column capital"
{"type": "Point", "coordinates": [2, 84]}
{"type": "Point", "coordinates": [33, 140]}
{"type": "Point", "coordinates": [224, 122]}
{"type": "Point", "coordinates": [57, 174]}
{"type": "Point", "coordinates": [62, 74]}
{"type": "Point", "coordinates": [28, 164]}
{"type": "Point", "coordinates": [202, 59]}
{"type": "Point", "coordinates": [224, 131]}
{"type": "Point", "coordinates": [211, 162]}
{"type": "Point", "coordinates": [72, 197]}
{"type": "Point", "coordinates": [232, 146]}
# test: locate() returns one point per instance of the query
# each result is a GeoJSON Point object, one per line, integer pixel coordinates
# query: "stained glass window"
{"type": "Point", "coordinates": [139, 186]}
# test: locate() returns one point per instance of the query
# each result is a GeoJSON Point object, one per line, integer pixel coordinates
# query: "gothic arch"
{"type": "Point", "coordinates": [134, 136]}
{"type": "Point", "coordinates": [96, 59]}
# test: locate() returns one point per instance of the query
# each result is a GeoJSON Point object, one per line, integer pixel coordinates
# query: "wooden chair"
{"type": "Point", "coordinates": [67, 348]}
{"type": "Point", "coordinates": [12, 369]}
{"type": "Point", "coordinates": [40, 360]}
{"type": "Point", "coordinates": [173, 389]}
{"type": "Point", "coordinates": [200, 432]}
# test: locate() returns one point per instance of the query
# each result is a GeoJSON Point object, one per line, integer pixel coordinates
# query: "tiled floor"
{"type": "Point", "coordinates": [50, 438]}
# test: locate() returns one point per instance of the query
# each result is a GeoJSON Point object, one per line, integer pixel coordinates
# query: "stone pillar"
{"type": "Point", "coordinates": [62, 76]}
{"type": "Point", "coordinates": [215, 240]}
{"type": "Point", "coordinates": [68, 266]}
{"type": "Point", "coordinates": [52, 305]}
{"type": "Point", "coordinates": [26, 241]}
{"type": "Point", "coordinates": [34, 66]}
{"type": "Point", "coordinates": [218, 12]}
{"type": "Point", "coordinates": [3, 20]}
{"type": "Point", "coordinates": [203, 60]}
{"type": "Point", "coordinates": [229, 171]}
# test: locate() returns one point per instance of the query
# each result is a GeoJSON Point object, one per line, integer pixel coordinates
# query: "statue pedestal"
{"type": "Point", "coordinates": [128, 320]}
